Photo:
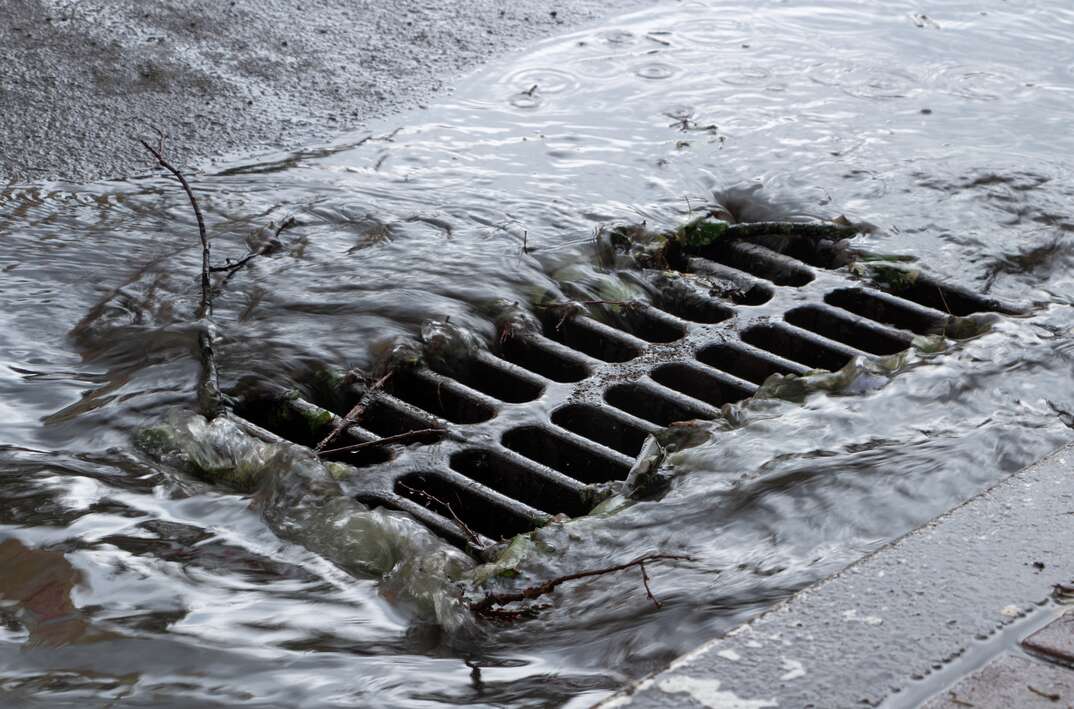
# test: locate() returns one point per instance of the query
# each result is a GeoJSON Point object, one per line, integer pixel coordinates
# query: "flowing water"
{"type": "Point", "coordinates": [128, 582]}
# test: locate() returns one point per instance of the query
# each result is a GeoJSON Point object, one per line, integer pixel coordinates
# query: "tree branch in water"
{"type": "Point", "coordinates": [272, 243]}
{"type": "Point", "coordinates": [471, 537]}
{"type": "Point", "coordinates": [209, 397]}
{"type": "Point", "coordinates": [387, 440]}
{"type": "Point", "coordinates": [488, 606]}
{"type": "Point", "coordinates": [354, 415]}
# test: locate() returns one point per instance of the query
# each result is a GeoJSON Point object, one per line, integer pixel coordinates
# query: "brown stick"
{"type": "Point", "coordinates": [353, 415]}
{"type": "Point", "coordinates": [388, 440]}
{"type": "Point", "coordinates": [486, 606]}
{"type": "Point", "coordinates": [1050, 696]}
{"type": "Point", "coordinates": [471, 537]}
{"type": "Point", "coordinates": [209, 397]}
{"type": "Point", "coordinates": [624, 303]}
{"type": "Point", "coordinates": [231, 267]}
{"type": "Point", "coordinates": [205, 307]}
{"type": "Point", "coordinates": [645, 582]}
{"type": "Point", "coordinates": [569, 312]}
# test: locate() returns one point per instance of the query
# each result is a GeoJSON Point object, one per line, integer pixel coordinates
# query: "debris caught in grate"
{"type": "Point", "coordinates": [505, 440]}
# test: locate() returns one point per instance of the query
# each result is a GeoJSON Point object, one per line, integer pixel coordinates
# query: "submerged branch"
{"type": "Point", "coordinates": [387, 440]}
{"type": "Point", "coordinates": [570, 309]}
{"type": "Point", "coordinates": [232, 266]}
{"type": "Point", "coordinates": [471, 537]}
{"type": "Point", "coordinates": [487, 606]}
{"type": "Point", "coordinates": [353, 416]}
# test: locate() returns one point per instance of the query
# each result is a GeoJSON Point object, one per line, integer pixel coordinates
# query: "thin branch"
{"type": "Point", "coordinates": [623, 303]}
{"type": "Point", "coordinates": [354, 415]}
{"type": "Point", "coordinates": [645, 582]}
{"type": "Point", "coordinates": [209, 397]}
{"type": "Point", "coordinates": [487, 605]}
{"type": "Point", "coordinates": [953, 698]}
{"type": "Point", "coordinates": [1050, 696]}
{"type": "Point", "coordinates": [388, 440]}
{"type": "Point", "coordinates": [569, 310]}
{"type": "Point", "coordinates": [471, 537]}
{"type": "Point", "coordinates": [206, 305]}
{"type": "Point", "coordinates": [269, 244]}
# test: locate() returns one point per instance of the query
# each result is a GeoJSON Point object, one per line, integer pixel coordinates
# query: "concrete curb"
{"type": "Point", "coordinates": [904, 623]}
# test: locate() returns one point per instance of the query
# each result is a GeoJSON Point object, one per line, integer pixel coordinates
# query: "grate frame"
{"type": "Point", "coordinates": [537, 425]}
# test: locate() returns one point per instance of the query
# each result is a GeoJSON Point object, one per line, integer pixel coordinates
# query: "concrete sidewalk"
{"type": "Point", "coordinates": [966, 611]}
{"type": "Point", "coordinates": [1011, 680]}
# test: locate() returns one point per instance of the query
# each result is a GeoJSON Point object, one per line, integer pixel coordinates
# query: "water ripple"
{"type": "Point", "coordinates": [804, 108]}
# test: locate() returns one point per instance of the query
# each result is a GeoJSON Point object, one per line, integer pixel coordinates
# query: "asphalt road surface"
{"type": "Point", "coordinates": [80, 78]}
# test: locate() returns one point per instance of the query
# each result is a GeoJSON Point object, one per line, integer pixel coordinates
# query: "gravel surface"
{"type": "Point", "coordinates": [81, 77]}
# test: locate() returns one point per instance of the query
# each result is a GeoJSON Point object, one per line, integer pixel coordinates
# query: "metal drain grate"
{"type": "Point", "coordinates": [525, 430]}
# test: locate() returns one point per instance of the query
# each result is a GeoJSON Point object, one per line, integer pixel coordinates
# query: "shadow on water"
{"type": "Point", "coordinates": [127, 580]}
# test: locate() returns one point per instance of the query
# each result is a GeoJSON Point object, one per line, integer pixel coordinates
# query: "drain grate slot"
{"type": "Point", "coordinates": [818, 253]}
{"type": "Point", "coordinates": [696, 382]}
{"type": "Point", "coordinates": [946, 299]}
{"type": "Point", "coordinates": [489, 375]}
{"type": "Point", "coordinates": [307, 424]}
{"type": "Point", "coordinates": [759, 261]}
{"type": "Point", "coordinates": [741, 288]}
{"type": "Point", "coordinates": [595, 339]}
{"type": "Point", "coordinates": [386, 417]}
{"type": "Point", "coordinates": [888, 309]}
{"type": "Point", "coordinates": [653, 405]}
{"type": "Point", "coordinates": [650, 324]}
{"type": "Point", "coordinates": [600, 425]}
{"type": "Point", "coordinates": [439, 396]}
{"type": "Point", "coordinates": [480, 512]}
{"type": "Point", "coordinates": [796, 346]}
{"type": "Point", "coordinates": [546, 358]}
{"type": "Point", "coordinates": [521, 482]}
{"type": "Point", "coordinates": [746, 364]}
{"type": "Point", "coordinates": [862, 335]}
{"type": "Point", "coordinates": [695, 308]}
{"type": "Point", "coordinates": [567, 456]}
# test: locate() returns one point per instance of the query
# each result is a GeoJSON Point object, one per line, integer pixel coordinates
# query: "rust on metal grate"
{"type": "Point", "coordinates": [513, 436]}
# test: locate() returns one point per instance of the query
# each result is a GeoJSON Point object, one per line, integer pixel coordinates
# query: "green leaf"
{"type": "Point", "coordinates": [702, 232]}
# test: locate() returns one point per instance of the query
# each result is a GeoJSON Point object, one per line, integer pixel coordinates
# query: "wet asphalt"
{"type": "Point", "coordinates": [81, 78]}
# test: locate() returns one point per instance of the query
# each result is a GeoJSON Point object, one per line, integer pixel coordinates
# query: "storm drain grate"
{"type": "Point", "coordinates": [519, 434]}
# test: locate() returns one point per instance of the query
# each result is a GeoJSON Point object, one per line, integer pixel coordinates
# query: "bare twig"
{"type": "Point", "coordinates": [354, 415]}
{"type": "Point", "coordinates": [206, 305]}
{"type": "Point", "coordinates": [471, 537]}
{"type": "Point", "coordinates": [387, 440]}
{"type": "Point", "coordinates": [1050, 696]}
{"type": "Point", "coordinates": [645, 582]}
{"type": "Point", "coordinates": [623, 303]}
{"type": "Point", "coordinates": [487, 605]}
{"type": "Point", "coordinates": [265, 248]}
{"type": "Point", "coordinates": [955, 700]}
{"type": "Point", "coordinates": [210, 399]}
{"type": "Point", "coordinates": [568, 310]}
